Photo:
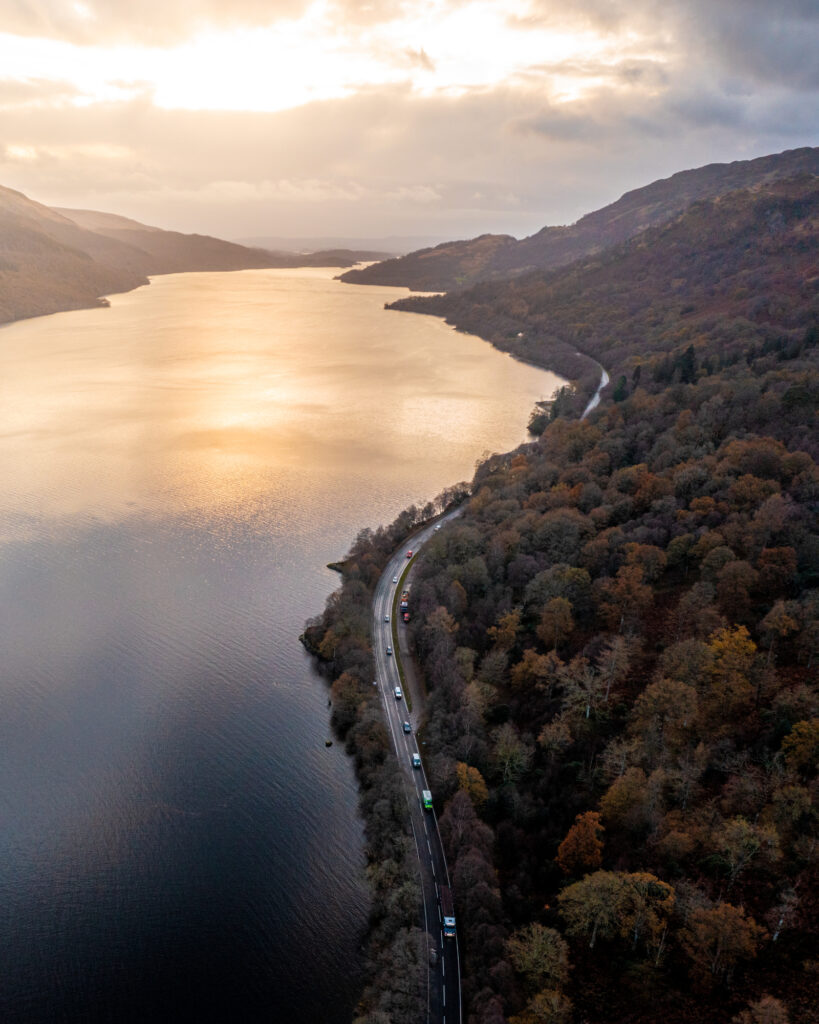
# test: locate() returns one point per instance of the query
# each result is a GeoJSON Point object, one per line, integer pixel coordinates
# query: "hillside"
{"type": "Point", "coordinates": [169, 252]}
{"type": "Point", "coordinates": [59, 259]}
{"type": "Point", "coordinates": [459, 264]}
{"type": "Point", "coordinates": [745, 264]}
{"type": "Point", "coordinates": [619, 637]}
{"type": "Point", "coordinates": [49, 263]}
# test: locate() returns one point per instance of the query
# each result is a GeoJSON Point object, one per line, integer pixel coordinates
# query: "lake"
{"type": "Point", "coordinates": [176, 840]}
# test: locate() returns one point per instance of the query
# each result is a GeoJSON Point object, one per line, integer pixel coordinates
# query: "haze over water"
{"type": "Point", "coordinates": [176, 842]}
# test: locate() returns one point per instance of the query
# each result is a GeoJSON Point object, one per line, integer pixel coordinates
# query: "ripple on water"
{"type": "Point", "coordinates": [177, 843]}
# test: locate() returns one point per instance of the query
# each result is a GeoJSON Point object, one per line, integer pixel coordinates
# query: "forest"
{"type": "Point", "coordinates": [619, 638]}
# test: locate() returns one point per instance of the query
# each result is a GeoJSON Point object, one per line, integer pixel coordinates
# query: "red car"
{"type": "Point", "coordinates": [409, 554]}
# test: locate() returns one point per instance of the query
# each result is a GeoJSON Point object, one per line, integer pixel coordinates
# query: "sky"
{"type": "Point", "coordinates": [436, 118]}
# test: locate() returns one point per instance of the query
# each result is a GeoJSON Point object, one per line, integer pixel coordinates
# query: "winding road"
{"type": "Point", "coordinates": [443, 967]}
{"type": "Point", "coordinates": [594, 401]}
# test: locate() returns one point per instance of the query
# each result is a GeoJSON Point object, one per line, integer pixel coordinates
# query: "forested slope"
{"type": "Point", "coordinates": [461, 264]}
{"type": "Point", "coordinates": [620, 637]}
{"type": "Point", "coordinates": [729, 273]}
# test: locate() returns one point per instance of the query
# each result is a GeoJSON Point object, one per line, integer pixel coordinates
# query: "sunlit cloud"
{"type": "Point", "coordinates": [434, 48]}
{"type": "Point", "coordinates": [353, 115]}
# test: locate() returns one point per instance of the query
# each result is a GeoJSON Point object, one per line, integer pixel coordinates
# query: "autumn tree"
{"type": "Point", "coordinates": [593, 907]}
{"type": "Point", "coordinates": [536, 670]}
{"type": "Point", "coordinates": [716, 938]}
{"type": "Point", "coordinates": [608, 904]}
{"type": "Point", "coordinates": [511, 756]}
{"type": "Point", "coordinates": [541, 955]}
{"type": "Point", "coordinates": [729, 692]}
{"type": "Point", "coordinates": [801, 747]}
{"type": "Point", "coordinates": [740, 842]}
{"type": "Point", "coordinates": [584, 688]}
{"type": "Point", "coordinates": [777, 625]}
{"type": "Point", "coordinates": [663, 717]}
{"type": "Point", "coordinates": [623, 804]}
{"type": "Point", "coordinates": [766, 1010]}
{"type": "Point", "coordinates": [624, 599]}
{"type": "Point", "coordinates": [556, 622]}
{"type": "Point", "coordinates": [648, 905]}
{"type": "Point", "coordinates": [504, 634]}
{"type": "Point", "coordinates": [583, 846]}
{"type": "Point", "coordinates": [472, 783]}
{"type": "Point", "coordinates": [547, 1007]}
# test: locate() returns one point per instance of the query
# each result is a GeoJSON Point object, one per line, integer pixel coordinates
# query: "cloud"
{"type": "Point", "coordinates": [152, 22]}
{"type": "Point", "coordinates": [419, 59]}
{"type": "Point", "coordinates": [456, 137]}
{"type": "Point", "coordinates": [26, 92]}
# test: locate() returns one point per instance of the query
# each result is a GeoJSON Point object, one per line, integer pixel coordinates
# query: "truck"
{"type": "Point", "coordinates": [426, 796]}
{"type": "Point", "coordinates": [448, 912]}
{"type": "Point", "coordinates": [404, 604]}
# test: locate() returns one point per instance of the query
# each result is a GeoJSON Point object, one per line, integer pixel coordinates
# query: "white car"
{"type": "Point", "coordinates": [395, 579]}
{"type": "Point", "coordinates": [398, 694]}
{"type": "Point", "coordinates": [386, 618]}
{"type": "Point", "coordinates": [389, 649]}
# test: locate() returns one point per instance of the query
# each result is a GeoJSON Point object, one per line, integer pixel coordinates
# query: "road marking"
{"type": "Point", "coordinates": [443, 967]}
{"type": "Point", "coordinates": [387, 679]}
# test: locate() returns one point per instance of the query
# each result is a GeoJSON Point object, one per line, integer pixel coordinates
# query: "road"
{"type": "Point", "coordinates": [594, 401]}
{"type": "Point", "coordinates": [443, 976]}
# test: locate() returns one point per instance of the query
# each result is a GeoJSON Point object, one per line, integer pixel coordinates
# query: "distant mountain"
{"type": "Point", "coordinates": [49, 263]}
{"type": "Point", "coordinates": [747, 261]}
{"type": "Point", "coordinates": [385, 246]}
{"type": "Point", "coordinates": [58, 259]}
{"type": "Point", "coordinates": [460, 264]}
{"type": "Point", "coordinates": [169, 252]}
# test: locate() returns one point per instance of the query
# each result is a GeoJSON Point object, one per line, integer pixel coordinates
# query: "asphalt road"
{"type": "Point", "coordinates": [443, 968]}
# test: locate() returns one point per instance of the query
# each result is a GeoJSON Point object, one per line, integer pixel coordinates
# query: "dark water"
{"type": "Point", "coordinates": [176, 841]}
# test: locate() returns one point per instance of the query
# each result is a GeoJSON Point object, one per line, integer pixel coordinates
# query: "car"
{"type": "Point", "coordinates": [386, 618]}
{"type": "Point", "coordinates": [407, 727]}
{"type": "Point", "coordinates": [398, 694]}
{"type": "Point", "coordinates": [409, 553]}
{"type": "Point", "coordinates": [416, 760]}
{"type": "Point", "coordinates": [395, 579]}
{"type": "Point", "coordinates": [389, 649]}
{"type": "Point", "coordinates": [438, 526]}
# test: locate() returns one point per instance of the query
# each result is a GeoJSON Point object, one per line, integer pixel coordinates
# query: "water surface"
{"type": "Point", "coordinates": [176, 841]}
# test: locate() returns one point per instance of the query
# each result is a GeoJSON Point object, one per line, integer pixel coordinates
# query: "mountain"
{"type": "Point", "coordinates": [54, 259]}
{"type": "Point", "coordinates": [459, 264]}
{"type": "Point", "coordinates": [49, 263]}
{"type": "Point", "coordinates": [748, 260]}
{"type": "Point", "coordinates": [385, 245]}
{"type": "Point", "coordinates": [169, 252]}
